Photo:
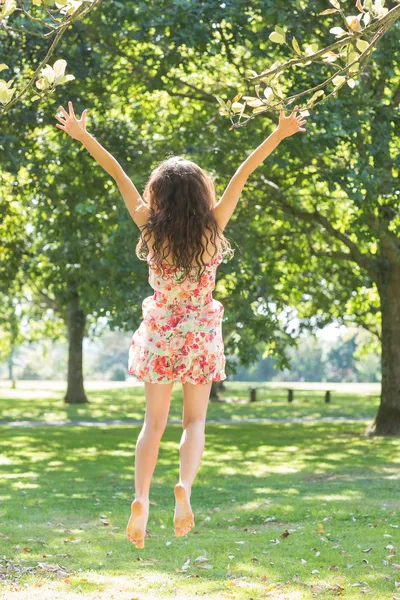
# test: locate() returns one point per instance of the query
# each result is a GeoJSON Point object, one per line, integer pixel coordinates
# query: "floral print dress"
{"type": "Point", "coordinates": [180, 336]}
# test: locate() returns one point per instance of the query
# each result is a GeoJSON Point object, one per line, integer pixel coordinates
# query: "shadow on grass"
{"type": "Point", "coordinates": [66, 495]}
{"type": "Point", "coordinates": [129, 402]}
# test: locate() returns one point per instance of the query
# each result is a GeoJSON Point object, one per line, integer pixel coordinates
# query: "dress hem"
{"type": "Point", "coordinates": [177, 380]}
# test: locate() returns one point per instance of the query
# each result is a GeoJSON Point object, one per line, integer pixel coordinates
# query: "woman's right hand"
{"type": "Point", "coordinates": [76, 128]}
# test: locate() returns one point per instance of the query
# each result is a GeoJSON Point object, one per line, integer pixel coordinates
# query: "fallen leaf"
{"type": "Point", "coordinates": [201, 559]}
{"type": "Point", "coordinates": [269, 587]}
{"type": "Point", "coordinates": [316, 589]}
{"type": "Point", "coordinates": [186, 564]}
{"type": "Point", "coordinates": [285, 534]}
{"type": "Point", "coordinates": [333, 568]}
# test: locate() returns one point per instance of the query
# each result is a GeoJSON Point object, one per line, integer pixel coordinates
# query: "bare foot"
{"type": "Point", "coordinates": [136, 528]}
{"type": "Point", "coordinates": [183, 517]}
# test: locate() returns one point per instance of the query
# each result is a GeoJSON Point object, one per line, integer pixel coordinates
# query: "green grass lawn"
{"type": "Point", "coordinates": [283, 511]}
{"type": "Point", "coordinates": [44, 401]}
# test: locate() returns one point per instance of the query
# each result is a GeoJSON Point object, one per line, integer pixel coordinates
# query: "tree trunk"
{"type": "Point", "coordinates": [387, 421]}
{"type": "Point", "coordinates": [76, 331]}
{"type": "Point", "coordinates": [11, 369]}
{"type": "Point", "coordinates": [216, 388]}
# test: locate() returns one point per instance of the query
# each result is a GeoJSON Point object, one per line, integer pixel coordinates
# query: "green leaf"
{"type": "Point", "coordinates": [277, 38]}
{"type": "Point", "coordinates": [236, 107]}
{"type": "Point", "coordinates": [328, 11]}
{"type": "Point", "coordinates": [362, 45]}
{"type": "Point", "coordinates": [260, 109]}
{"type": "Point", "coordinates": [281, 31]}
{"type": "Point", "coordinates": [338, 81]}
{"type": "Point", "coordinates": [296, 46]}
{"type": "Point", "coordinates": [314, 97]}
{"type": "Point", "coordinates": [269, 94]}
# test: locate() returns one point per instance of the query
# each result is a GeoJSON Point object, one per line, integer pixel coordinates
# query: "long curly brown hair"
{"type": "Point", "coordinates": [180, 196]}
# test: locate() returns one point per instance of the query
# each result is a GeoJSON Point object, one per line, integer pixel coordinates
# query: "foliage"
{"type": "Point", "coordinates": [47, 20]}
{"type": "Point", "coordinates": [342, 62]}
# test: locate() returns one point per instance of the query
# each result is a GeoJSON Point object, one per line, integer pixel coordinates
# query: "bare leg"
{"type": "Point", "coordinates": [195, 404]}
{"type": "Point", "coordinates": [158, 399]}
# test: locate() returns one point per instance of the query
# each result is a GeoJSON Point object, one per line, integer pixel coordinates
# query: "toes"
{"type": "Point", "coordinates": [135, 541]}
{"type": "Point", "coordinates": [180, 531]}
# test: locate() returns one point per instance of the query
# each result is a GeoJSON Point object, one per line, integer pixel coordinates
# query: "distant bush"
{"type": "Point", "coordinates": [29, 373]}
{"type": "Point", "coordinates": [117, 373]}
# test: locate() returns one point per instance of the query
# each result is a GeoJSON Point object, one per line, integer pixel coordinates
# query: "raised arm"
{"type": "Point", "coordinates": [76, 128]}
{"type": "Point", "coordinates": [223, 210]}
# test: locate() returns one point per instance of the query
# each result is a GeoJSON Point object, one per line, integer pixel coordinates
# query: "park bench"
{"type": "Point", "coordinates": [290, 393]}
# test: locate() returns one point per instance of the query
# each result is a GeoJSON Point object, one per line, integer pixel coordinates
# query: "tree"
{"type": "Point", "coordinates": [162, 64]}
{"type": "Point", "coordinates": [47, 20]}
{"type": "Point", "coordinates": [351, 216]}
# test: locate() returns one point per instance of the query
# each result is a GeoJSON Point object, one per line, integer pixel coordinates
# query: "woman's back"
{"type": "Point", "coordinates": [180, 337]}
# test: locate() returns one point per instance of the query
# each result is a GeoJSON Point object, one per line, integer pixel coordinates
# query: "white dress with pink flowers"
{"type": "Point", "coordinates": [180, 336]}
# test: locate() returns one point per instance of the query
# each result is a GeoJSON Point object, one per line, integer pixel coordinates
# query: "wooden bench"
{"type": "Point", "coordinates": [290, 393]}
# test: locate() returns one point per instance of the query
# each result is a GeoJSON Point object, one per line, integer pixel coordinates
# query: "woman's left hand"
{"type": "Point", "coordinates": [291, 124]}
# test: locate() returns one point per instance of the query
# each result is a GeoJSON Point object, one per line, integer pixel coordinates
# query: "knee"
{"type": "Point", "coordinates": [155, 427]}
{"type": "Point", "coordinates": [191, 422]}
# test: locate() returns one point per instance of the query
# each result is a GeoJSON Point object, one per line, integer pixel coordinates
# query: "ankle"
{"type": "Point", "coordinates": [142, 499]}
{"type": "Point", "coordinates": [187, 486]}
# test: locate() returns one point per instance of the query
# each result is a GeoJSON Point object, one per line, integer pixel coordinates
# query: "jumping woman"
{"type": "Point", "coordinates": [181, 226]}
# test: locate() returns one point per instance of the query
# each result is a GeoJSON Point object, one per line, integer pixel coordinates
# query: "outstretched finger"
{"type": "Point", "coordinates": [83, 117]}
{"type": "Point", "coordinates": [281, 113]}
{"type": "Point", "coordinates": [59, 119]}
{"type": "Point", "coordinates": [71, 109]}
{"type": "Point", "coordinates": [60, 126]}
{"type": "Point", "coordinates": [64, 112]}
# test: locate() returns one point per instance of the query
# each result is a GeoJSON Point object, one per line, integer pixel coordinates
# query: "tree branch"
{"type": "Point", "coordinates": [355, 253]}
{"type": "Point", "coordinates": [78, 14]}
{"type": "Point", "coordinates": [390, 17]}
